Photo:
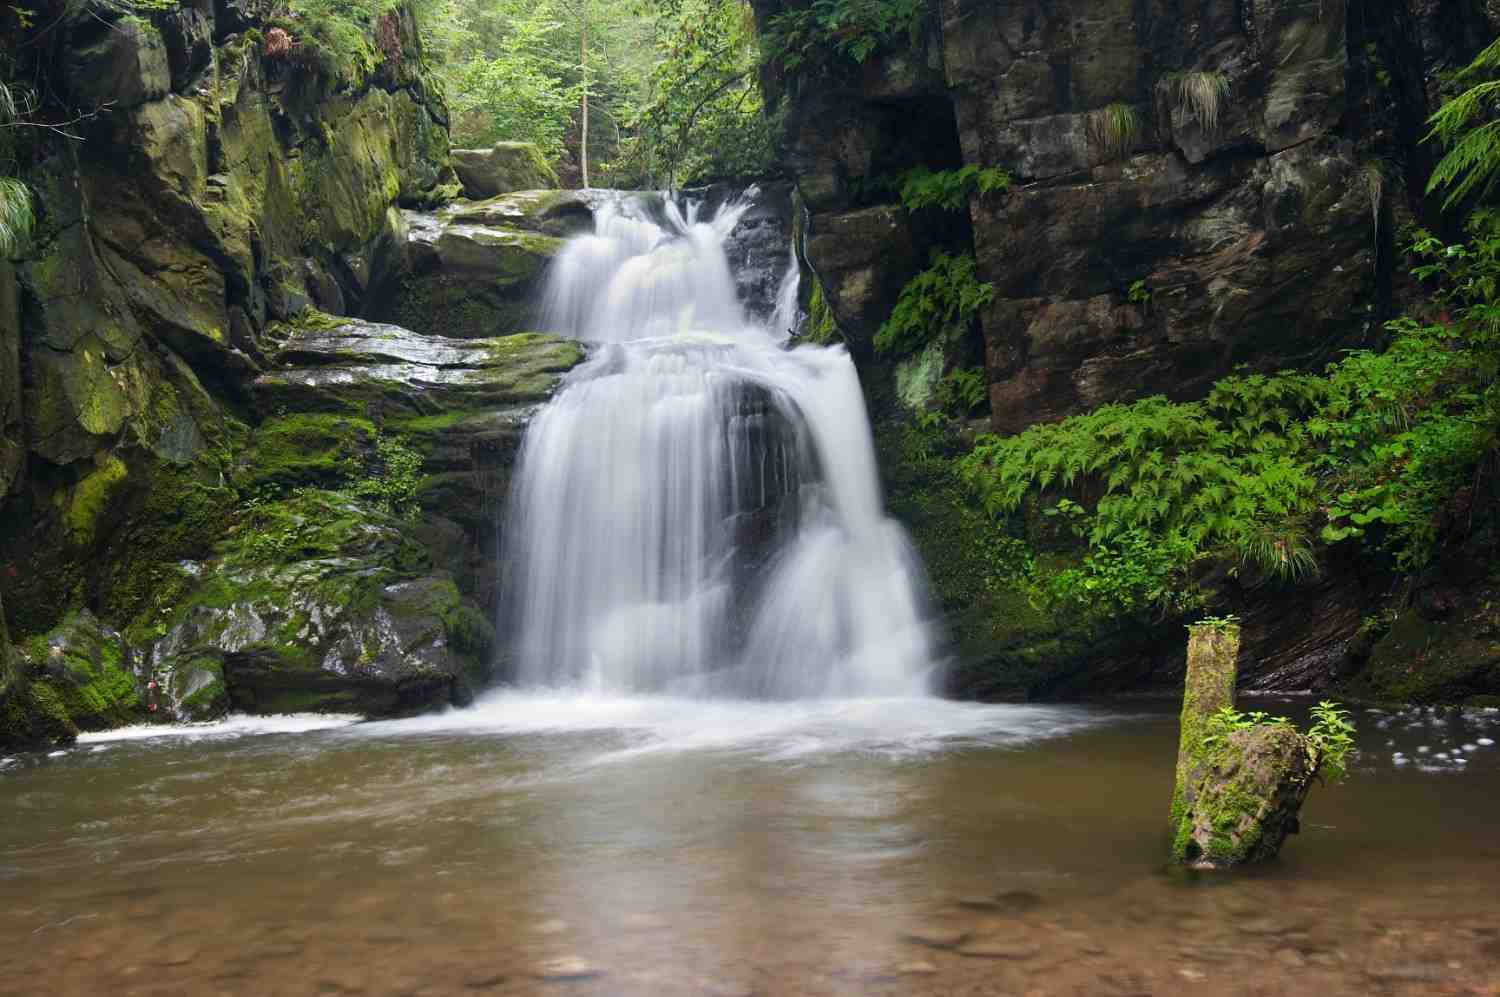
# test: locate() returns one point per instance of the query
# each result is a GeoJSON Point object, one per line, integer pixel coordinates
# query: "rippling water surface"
{"type": "Point", "coordinates": [550, 843]}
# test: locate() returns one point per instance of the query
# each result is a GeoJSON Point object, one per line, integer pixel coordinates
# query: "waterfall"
{"type": "Point", "coordinates": [697, 510]}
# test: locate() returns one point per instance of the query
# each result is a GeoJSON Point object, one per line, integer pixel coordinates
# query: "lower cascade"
{"type": "Point", "coordinates": [697, 511]}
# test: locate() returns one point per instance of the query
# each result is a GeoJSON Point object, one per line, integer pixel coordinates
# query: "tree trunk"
{"type": "Point", "coordinates": [583, 126]}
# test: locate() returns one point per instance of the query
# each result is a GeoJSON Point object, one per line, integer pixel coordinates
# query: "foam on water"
{"type": "Point", "coordinates": [773, 730]}
{"type": "Point", "coordinates": [234, 725]}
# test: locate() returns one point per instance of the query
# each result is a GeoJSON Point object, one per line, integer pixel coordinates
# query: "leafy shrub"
{"type": "Point", "coordinates": [394, 484]}
{"type": "Point", "coordinates": [1329, 740]}
{"type": "Point", "coordinates": [937, 304]}
{"type": "Point", "coordinates": [851, 29]}
{"type": "Point", "coordinates": [1472, 163]}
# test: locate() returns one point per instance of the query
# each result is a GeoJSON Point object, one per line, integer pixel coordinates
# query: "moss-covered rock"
{"type": "Point", "coordinates": [506, 167]}
{"type": "Point", "coordinates": [467, 279]}
{"type": "Point", "coordinates": [316, 601]}
{"type": "Point", "coordinates": [1450, 658]}
{"type": "Point", "coordinates": [80, 677]}
{"type": "Point", "coordinates": [1246, 800]}
{"type": "Point", "coordinates": [123, 63]}
{"type": "Point", "coordinates": [362, 368]}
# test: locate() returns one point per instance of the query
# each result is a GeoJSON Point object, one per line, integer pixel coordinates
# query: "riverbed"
{"type": "Point", "coordinates": [556, 843]}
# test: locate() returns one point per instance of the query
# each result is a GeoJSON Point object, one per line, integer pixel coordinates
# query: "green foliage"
{"type": "Point", "coordinates": [949, 189]}
{"type": "Point", "coordinates": [1218, 624]}
{"type": "Point", "coordinates": [1113, 128]}
{"type": "Point", "coordinates": [1329, 740]}
{"type": "Point", "coordinates": [702, 117]}
{"type": "Point", "coordinates": [1332, 737]}
{"type": "Point", "coordinates": [962, 390]}
{"type": "Point", "coordinates": [937, 304]}
{"type": "Point", "coordinates": [804, 37]}
{"type": "Point", "coordinates": [1472, 162]}
{"type": "Point", "coordinates": [394, 482]}
{"type": "Point", "coordinates": [1226, 720]}
{"type": "Point", "coordinates": [340, 35]}
{"type": "Point", "coordinates": [1372, 448]}
{"type": "Point", "coordinates": [1137, 293]}
{"type": "Point", "coordinates": [517, 93]}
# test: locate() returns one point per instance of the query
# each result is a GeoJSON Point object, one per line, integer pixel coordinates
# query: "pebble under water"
{"type": "Point", "coordinates": [548, 843]}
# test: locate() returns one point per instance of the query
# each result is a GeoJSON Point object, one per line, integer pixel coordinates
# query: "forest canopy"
{"type": "Point", "coordinates": [665, 91]}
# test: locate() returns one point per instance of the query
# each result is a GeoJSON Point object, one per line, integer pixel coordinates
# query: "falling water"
{"type": "Point", "coordinates": [697, 510]}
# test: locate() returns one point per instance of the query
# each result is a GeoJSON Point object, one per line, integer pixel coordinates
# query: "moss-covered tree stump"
{"type": "Point", "coordinates": [1237, 794]}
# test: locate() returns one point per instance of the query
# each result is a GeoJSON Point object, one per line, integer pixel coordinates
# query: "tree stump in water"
{"type": "Point", "coordinates": [1237, 794]}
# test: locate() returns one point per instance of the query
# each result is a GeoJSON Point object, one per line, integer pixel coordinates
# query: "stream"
{"type": "Point", "coordinates": [548, 842]}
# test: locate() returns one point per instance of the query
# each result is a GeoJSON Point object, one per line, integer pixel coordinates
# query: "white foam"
{"type": "Point", "coordinates": [235, 725]}
{"type": "Point", "coordinates": [795, 729]}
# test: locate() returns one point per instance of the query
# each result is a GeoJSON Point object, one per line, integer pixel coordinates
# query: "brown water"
{"type": "Point", "coordinates": [665, 848]}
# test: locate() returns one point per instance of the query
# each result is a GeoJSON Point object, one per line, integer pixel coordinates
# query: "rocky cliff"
{"type": "Point", "coordinates": [1196, 187]}
{"type": "Point", "coordinates": [215, 491]}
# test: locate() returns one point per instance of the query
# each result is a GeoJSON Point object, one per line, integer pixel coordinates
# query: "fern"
{"type": "Point", "coordinates": [1472, 163]}
{"type": "Point", "coordinates": [937, 304]}
{"type": "Point", "coordinates": [949, 189]}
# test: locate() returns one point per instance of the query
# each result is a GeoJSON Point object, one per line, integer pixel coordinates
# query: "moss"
{"type": "Point", "coordinates": [310, 449]}
{"type": "Point", "coordinates": [90, 497]}
{"type": "Point", "coordinates": [821, 327]}
{"type": "Point", "coordinates": [469, 631]}
{"type": "Point", "coordinates": [183, 512]}
{"type": "Point", "coordinates": [1437, 661]}
{"type": "Point", "coordinates": [1212, 665]}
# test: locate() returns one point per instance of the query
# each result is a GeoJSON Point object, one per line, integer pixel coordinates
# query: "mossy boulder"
{"type": "Point", "coordinates": [1446, 651]}
{"type": "Point", "coordinates": [77, 677]}
{"type": "Point", "coordinates": [505, 167]}
{"type": "Point", "coordinates": [1246, 799]}
{"type": "Point", "coordinates": [550, 212]}
{"type": "Point", "coordinates": [123, 62]}
{"type": "Point", "coordinates": [317, 601]}
{"type": "Point", "coordinates": [469, 279]}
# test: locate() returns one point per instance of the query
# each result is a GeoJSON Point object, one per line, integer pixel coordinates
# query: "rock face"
{"type": "Point", "coordinates": [467, 276]}
{"type": "Point", "coordinates": [506, 167]}
{"type": "Point", "coordinates": [212, 494]}
{"type": "Point", "coordinates": [1260, 162]}
{"type": "Point", "coordinates": [1251, 214]}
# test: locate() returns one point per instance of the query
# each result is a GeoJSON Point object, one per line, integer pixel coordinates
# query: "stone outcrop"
{"type": "Point", "coordinates": [502, 168]}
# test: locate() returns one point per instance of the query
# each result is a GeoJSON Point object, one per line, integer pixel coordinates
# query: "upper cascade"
{"type": "Point", "coordinates": [697, 511]}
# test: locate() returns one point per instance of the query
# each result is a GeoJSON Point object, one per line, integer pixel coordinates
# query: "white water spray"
{"type": "Point", "coordinates": [697, 511]}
